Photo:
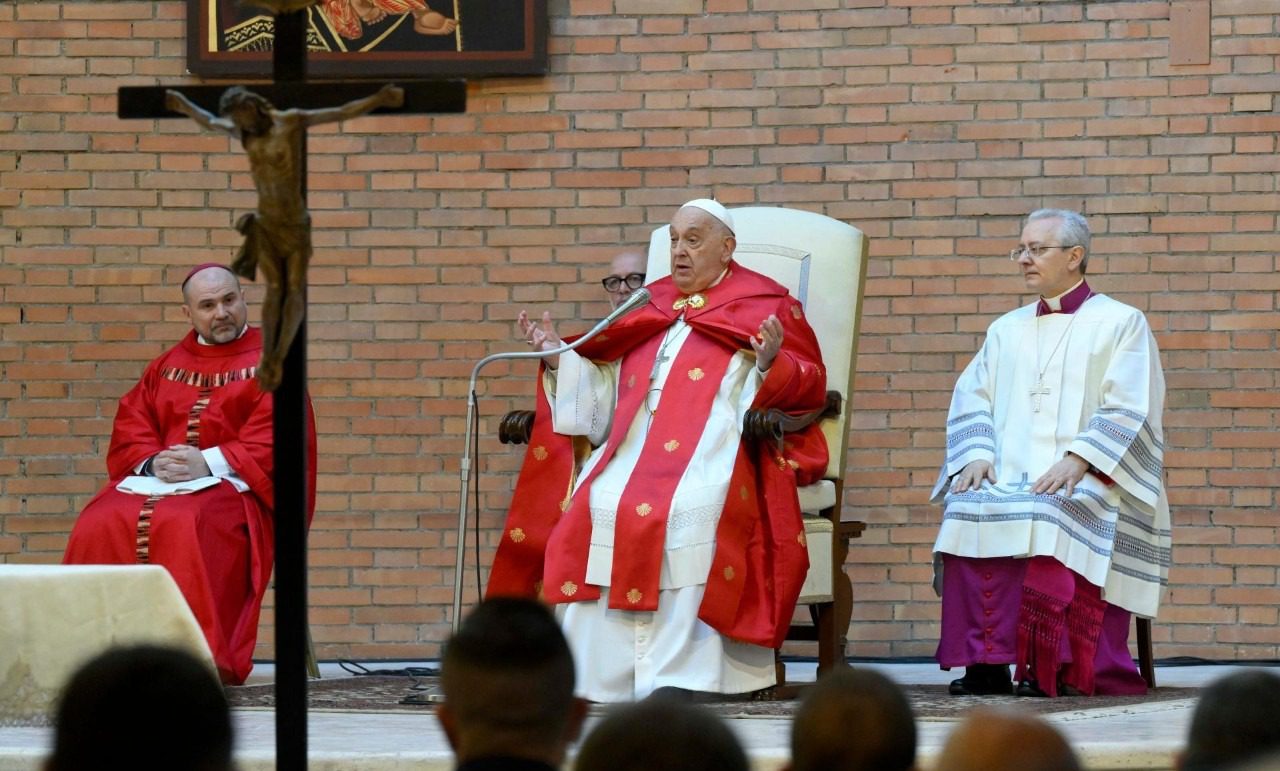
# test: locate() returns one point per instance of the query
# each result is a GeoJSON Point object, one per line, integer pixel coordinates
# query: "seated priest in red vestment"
{"type": "Point", "coordinates": [675, 551]}
{"type": "Point", "coordinates": [191, 473]}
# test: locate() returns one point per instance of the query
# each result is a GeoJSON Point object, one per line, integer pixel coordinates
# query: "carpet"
{"type": "Point", "coordinates": [929, 702]}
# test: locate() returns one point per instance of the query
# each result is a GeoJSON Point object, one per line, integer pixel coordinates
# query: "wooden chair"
{"type": "Point", "coordinates": [1146, 660]}
{"type": "Point", "coordinates": [822, 262]}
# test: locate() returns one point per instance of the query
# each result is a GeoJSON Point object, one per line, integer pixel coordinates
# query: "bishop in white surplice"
{"type": "Point", "coordinates": [1055, 524]}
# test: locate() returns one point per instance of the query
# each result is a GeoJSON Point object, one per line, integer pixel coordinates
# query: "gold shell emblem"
{"type": "Point", "coordinates": [634, 596]}
{"type": "Point", "coordinates": [728, 573]}
{"type": "Point", "coordinates": [568, 588]}
{"type": "Point", "coordinates": [517, 535]}
{"type": "Point", "coordinates": [671, 445]}
{"type": "Point", "coordinates": [631, 382]}
{"type": "Point", "coordinates": [742, 492]}
{"type": "Point", "coordinates": [796, 313]}
{"type": "Point", "coordinates": [800, 539]}
{"type": "Point", "coordinates": [644, 510]}
{"type": "Point", "coordinates": [696, 374]}
{"type": "Point", "coordinates": [540, 453]}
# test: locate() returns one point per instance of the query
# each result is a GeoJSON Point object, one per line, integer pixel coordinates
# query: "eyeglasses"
{"type": "Point", "coordinates": [614, 283]}
{"type": "Point", "coordinates": [1035, 251]}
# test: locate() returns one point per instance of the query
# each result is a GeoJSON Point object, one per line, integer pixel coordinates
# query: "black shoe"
{"type": "Point", "coordinates": [1029, 688]}
{"type": "Point", "coordinates": [983, 680]}
{"type": "Point", "coordinates": [673, 695]}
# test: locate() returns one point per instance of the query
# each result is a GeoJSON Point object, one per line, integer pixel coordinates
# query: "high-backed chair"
{"type": "Point", "coordinates": [822, 262]}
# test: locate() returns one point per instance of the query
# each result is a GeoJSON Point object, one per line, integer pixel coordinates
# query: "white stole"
{"type": "Point", "coordinates": [583, 395]}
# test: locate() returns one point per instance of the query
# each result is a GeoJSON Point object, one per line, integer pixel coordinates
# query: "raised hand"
{"type": "Point", "coordinates": [540, 335]}
{"type": "Point", "coordinates": [767, 343]}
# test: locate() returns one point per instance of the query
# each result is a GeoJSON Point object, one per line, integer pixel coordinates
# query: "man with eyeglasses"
{"type": "Point", "coordinates": [673, 551]}
{"type": "Point", "coordinates": [626, 275]}
{"type": "Point", "coordinates": [1055, 525]}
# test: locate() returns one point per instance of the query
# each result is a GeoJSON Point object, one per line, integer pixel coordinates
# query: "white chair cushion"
{"type": "Point", "coordinates": [817, 584]}
{"type": "Point", "coordinates": [817, 496]}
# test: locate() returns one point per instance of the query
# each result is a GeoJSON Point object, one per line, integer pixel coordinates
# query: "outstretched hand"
{"type": "Point", "coordinates": [540, 335]}
{"type": "Point", "coordinates": [392, 96]}
{"type": "Point", "coordinates": [767, 342]}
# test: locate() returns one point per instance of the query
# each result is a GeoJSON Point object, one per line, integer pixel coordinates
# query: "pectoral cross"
{"type": "Point", "coordinates": [659, 360]}
{"type": "Point", "coordinates": [1038, 390]}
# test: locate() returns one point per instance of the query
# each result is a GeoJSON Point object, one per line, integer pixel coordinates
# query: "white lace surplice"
{"type": "Point", "coordinates": [1105, 403]}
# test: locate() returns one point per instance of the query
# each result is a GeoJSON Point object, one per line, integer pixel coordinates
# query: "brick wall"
{"type": "Point", "coordinates": [929, 124]}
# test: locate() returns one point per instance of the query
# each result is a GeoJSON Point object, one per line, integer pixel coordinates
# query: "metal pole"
{"type": "Point", "coordinates": [290, 424]}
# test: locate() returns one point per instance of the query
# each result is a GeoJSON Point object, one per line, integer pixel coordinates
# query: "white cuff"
{"type": "Point", "coordinates": [218, 467]}
{"type": "Point", "coordinates": [217, 463]}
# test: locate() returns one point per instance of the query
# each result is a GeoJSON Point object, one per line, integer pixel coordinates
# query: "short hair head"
{"type": "Point", "coordinates": [661, 733]}
{"type": "Point", "coordinates": [508, 677]}
{"type": "Point", "coordinates": [854, 720]}
{"type": "Point", "coordinates": [1073, 229]}
{"type": "Point", "coordinates": [992, 739]}
{"type": "Point", "coordinates": [1234, 721]}
{"type": "Point", "coordinates": [172, 694]}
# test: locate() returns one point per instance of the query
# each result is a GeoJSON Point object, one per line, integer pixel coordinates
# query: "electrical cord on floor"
{"type": "Point", "coordinates": [360, 670]}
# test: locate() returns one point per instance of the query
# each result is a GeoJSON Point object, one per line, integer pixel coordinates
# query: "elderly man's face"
{"type": "Point", "coordinates": [701, 247]}
{"type": "Point", "coordinates": [626, 266]}
{"type": "Point", "coordinates": [215, 305]}
{"type": "Point", "coordinates": [1055, 271]}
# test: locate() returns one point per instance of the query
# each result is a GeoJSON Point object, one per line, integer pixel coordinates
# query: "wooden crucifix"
{"type": "Point", "coordinates": [290, 91]}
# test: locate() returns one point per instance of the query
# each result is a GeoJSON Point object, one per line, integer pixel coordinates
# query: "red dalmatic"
{"type": "Point", "coordinates": [217, 543]}
{"type": "Point", "coordinates": [760, 555]}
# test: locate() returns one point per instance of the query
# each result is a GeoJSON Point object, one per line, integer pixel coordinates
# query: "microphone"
{"type": "Point", "coordinates": [637, 300]}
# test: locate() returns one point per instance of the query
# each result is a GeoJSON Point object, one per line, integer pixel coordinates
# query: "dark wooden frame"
{"type": "Point", "coordinates": [349, 65]}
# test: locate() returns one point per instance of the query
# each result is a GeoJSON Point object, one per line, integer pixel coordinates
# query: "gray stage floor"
{"type": "Point", "coordinates": [1137, 736]}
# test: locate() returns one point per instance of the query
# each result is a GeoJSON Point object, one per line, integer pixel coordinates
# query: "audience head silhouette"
{"type": "Point", "coordinates": [661, 733]}
{"type": "Point", "coordinates": [508, 685]}
{"type": "Point", "coordinates": [142, 707]}
{"type": "Point", "coordinates": [1234, 721]}
{"type": "Point", "coordinates": [854, 720]}
{"type": "Point", "coordinates": [1004, 740]}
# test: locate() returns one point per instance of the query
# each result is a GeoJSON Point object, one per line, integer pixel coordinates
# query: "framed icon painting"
{"type": "Point", "coordinates": [351, 39]}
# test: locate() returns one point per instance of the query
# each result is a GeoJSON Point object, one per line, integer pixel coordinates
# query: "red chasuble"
{"type": "Point", "coordinates": [760, 555]}
{"type": "Point", "coordinates": [218, 543]}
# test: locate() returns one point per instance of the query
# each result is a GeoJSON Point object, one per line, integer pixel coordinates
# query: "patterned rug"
{"type": "Point", "coordinates": [409, 694]}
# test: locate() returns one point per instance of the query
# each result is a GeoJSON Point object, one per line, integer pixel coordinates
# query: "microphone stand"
{"type": "Point", "coordinates": [638, 299]}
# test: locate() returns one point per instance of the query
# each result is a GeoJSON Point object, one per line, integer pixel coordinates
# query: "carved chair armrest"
{"type": "Point", "coordinates": [757, 425]}
{"type": "Point", "coordinates": [516, 427]}
{"type": "Point", "coordinates": [772, 425]}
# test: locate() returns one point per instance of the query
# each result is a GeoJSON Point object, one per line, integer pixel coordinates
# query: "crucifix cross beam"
{"type": "Point", "coordinates": [420, 97]}
{"type": "Point", "coordinates": [281, 213]}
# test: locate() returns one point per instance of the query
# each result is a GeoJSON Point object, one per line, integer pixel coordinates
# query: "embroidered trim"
{"type": "Point", "coordinates": [193, 417]}
{"type": "Point", "coordinates": [207, 380]}
{"type": "Point", "coordinates": [142, 548]}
